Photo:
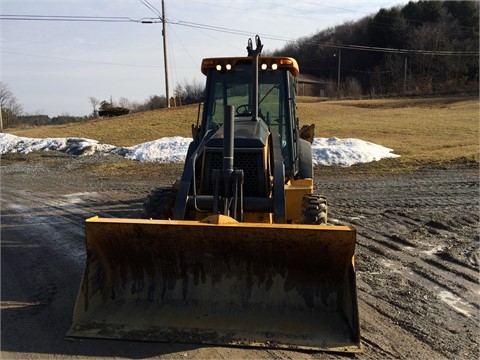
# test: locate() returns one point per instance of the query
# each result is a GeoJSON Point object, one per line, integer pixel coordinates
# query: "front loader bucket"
{"type": "Point", "coordinates": [228, 283]}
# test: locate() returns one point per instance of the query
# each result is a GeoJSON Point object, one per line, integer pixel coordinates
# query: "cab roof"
{"type": "Point", "coordinates": [271, 62]}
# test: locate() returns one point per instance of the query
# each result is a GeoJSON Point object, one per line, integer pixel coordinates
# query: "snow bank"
{"type": "Point", "coordinates": [162, 150]}
{"type": "Point", "coordinates": [325, 151]}
{"type": "Point", "coordinates": [75, 146]}
{"type": "Point", "coordinates": [347, 152]}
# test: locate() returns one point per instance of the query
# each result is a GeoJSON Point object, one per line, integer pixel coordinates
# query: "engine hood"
{"type": "Point", "coordinates": [248, 133]}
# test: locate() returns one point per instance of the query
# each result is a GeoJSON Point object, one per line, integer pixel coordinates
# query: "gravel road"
{"type": "Point", "coordinates": [418, 256]}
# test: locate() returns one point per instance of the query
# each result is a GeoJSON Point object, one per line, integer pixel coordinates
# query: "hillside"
{"type": "Point", "coordinates": [424, 47]}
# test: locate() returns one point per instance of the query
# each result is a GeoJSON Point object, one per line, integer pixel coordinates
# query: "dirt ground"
{"type": "Point", "coordinates": [418, 256]}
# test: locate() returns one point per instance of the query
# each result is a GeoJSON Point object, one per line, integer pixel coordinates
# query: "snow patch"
{"type": "Point", "coordinates": [347, 152]}
{"type": "Point", "coordinates": [325, 151]}
{"type": "Point", "coordinates": [75, 146]}
{"type": "Point", "coordinates": [456, 303]}
{"type": "Point", "coordinates": [434, 250]}
{"type": "Point", "coordinates": [166, 150]}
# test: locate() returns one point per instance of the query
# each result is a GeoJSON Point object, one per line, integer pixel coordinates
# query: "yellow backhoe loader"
{"type": "Point", "coordinates": [239, 251]}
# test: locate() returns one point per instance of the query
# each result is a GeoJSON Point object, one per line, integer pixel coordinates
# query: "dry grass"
{"type": "Point", "coordinates": [125, 130]}
{"type": "Point", "coordinates": [425, 130]}
{"type": "Point", "coordinates": [420, 130]}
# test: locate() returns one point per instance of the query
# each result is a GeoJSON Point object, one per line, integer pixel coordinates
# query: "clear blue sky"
{"type": "Point", "coordinates": [53, 67]}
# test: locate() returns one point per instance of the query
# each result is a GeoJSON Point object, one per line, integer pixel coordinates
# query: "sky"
{"type": "Point", "coordinates": [325, 151]}
{"type": "Point", "coordinates": [54, 67]}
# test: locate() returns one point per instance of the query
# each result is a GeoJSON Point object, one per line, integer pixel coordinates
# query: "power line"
{"type": "Point", "coordinates": [74, 18]}
{"type": "Point", "coordinates": [79, 60]}
{"type": "Point", "coordinates": [397, 51]}
{"type": "Point", "coordinates": [236, 32]}
{"type": "Point", "coordinates": [226, 30]}
{"type": "Point", "coordinates": [152, 8]}
{"type": "Point", "coordinates": [335, 46]}
{"type": "Point", "coordinates": [184, 48]}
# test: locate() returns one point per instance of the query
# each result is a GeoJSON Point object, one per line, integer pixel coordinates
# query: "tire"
{"type": "Point", "coordinates": [305, 166]}
{"type": "Point", "coordinates": [314, 209]}
{"type": "Point", "coordinates": [159, 204]}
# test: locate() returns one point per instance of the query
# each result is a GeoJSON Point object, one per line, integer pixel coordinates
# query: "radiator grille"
{"type": "Point", "coordinates": [251, 162]}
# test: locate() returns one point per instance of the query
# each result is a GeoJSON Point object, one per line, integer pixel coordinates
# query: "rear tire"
{"type": "Point", "coordinates": [314, 209]}
{"type": "Point", "coordinates": [159, 204]}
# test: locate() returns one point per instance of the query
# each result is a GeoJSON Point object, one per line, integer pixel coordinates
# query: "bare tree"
{"type": "Point", "coordinates": [189, 93]}
{"type": "Point", "coordinates": [124, 102]}
{"type": "Point", "coordinates": [132, 105]}
{"type": "Point", "coordinates": [9, 106]}
{"type": "Point", "coordinates": [94, 102]}
{"type": "Point", "coordinates": [353, 88]}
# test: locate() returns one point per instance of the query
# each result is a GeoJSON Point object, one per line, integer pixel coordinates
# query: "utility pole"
{"type": "Point", "coordinates": [405, 77]}
{"type": "Point", "coordinates": [164, 34]}
{"type": "Point", "coordinates": [338, 70]}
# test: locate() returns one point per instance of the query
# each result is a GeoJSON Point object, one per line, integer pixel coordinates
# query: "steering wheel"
{"type": "Point", "coordinates": [243, 110]}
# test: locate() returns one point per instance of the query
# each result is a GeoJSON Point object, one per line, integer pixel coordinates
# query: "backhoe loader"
{"type": "Point", "coordinates": [239, 251]}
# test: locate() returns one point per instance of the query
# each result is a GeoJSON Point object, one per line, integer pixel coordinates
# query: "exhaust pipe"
{"type": "Point", "coordinates": [255, 53]}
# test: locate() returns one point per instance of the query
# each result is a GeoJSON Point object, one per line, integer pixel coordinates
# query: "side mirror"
{"type": "Point", "coordinates": [195, 131]}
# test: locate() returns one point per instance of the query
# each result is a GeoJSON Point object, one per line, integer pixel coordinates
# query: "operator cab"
{"type": "Point", "coordinates": [229, 82]}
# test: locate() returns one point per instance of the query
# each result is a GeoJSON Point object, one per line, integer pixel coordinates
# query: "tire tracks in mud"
{"type": "Point", "coordinates": [54, 228]}
{"type": "Point", "coordinates": [417, 262]}
{"type": "Point", "coordinates": [43, 255]}
{"type": "Point", "coordinates": [56, 213]}
{"type": "Point", "coordinates": [42, 250]}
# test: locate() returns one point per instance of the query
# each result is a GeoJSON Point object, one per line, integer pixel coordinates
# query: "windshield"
{"type": "Point", "coordinates": [235, 88]}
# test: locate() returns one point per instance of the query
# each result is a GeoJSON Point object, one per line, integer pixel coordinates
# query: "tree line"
{"type": "Point", "coordinates": [12, 114]}
{"type": "Point", "coordinates": [185, 94]}
{"type": "Point", "coordinates": [433, 48]}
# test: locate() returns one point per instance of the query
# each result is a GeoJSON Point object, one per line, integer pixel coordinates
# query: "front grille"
{"type": "Point", "coordinates": [248, 160]}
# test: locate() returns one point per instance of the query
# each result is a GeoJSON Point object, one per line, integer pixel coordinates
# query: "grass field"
{"type": "Point", "coordinates": [423, 130]}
